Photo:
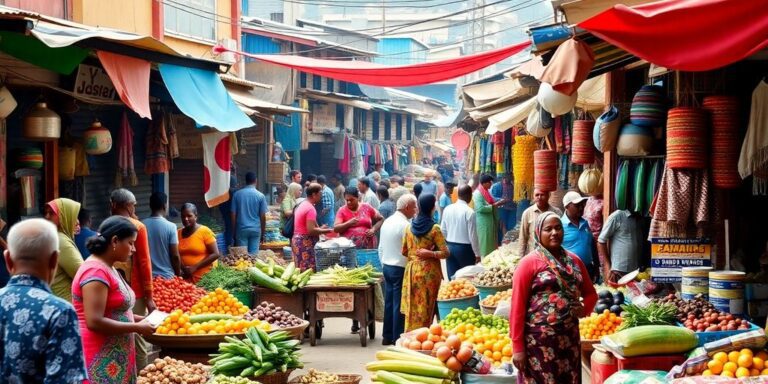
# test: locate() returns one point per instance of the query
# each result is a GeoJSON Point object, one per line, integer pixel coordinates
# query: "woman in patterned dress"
{"type": "Point", "coordinates": [546, 309]}
{"type": "Point", "coordinates": [424, 246]}
{"type": "Point", "coordinates": [358, 221]}
{"type": "Point", "coordinates": [306, 232]}
{"type": "Point", "coordinates": [104, 303]}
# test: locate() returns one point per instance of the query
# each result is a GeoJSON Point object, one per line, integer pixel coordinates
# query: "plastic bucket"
{"type": "Point", "coordinates": [490, 291]}
{"type": "Point", "coordinates": [244, 297]}
{"type": "Point", "coordinates": [444, 307]}
{"type": "Point", "coordinates": [695, 282]}
{"type": "Point", "coordinates": [726, 291]}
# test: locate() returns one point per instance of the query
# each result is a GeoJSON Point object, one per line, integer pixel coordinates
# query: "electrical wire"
{"type": "Point", "coordinates": [389, 4]}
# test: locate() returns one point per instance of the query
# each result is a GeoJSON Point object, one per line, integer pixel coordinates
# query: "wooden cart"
{"type": "Point", "coordinates": [356, 303]}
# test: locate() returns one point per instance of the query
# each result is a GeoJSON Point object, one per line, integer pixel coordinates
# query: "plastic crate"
{"type": "Point", "coordinates": [444, 307]}
{"type": "Point", "coordinates": [369, 256]}
{"type": "Point", "coordinates": [649, 363]}
{"type": "Point", "coordinates": [708, 337]}
{"type": "Point", "coordinates": [328, 257]}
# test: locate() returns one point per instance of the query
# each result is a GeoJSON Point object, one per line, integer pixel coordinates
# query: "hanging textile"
{"type": "Point", "coordinates": [364, 72]}
{"type": "Point", "coordinates": [344, 162]}
{"type": "Point", "coordinates": [130, 76]}
{"type": "Point", "coordinates": [157, 148]}
{"type": "Point", "coordinates": [682, 206]}
{"type": "Point", "coordinates": [217, 159]}
{"type": "Point", "coordinates": [685, 35]}
{"type": "Point", "coordinates": [569, 66]}
{"type": "Point", "coordinates": [81, 161]}
{"type": "Point", "coordinates": [125, 168]}
{"type": "Point", "coordinates": [754, 150]}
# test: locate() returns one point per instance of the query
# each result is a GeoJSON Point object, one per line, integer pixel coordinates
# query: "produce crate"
{"type": "Point", "coordinates": [326, 258]}
{"type": "Point", "coordinates": [275, 378]}
{"type": "Point", "coordinates": [649, 363]}
{"type": "Point", "coordinates": [708, 337]}
{"type": "Point", "coordinates": [369, 256]}
{"type": "Point", "coordinates": [276, 172]}
{"type": "Point", "coordinates": [444, 307]}
{"type": "Point", "coordinates": [292, 302]}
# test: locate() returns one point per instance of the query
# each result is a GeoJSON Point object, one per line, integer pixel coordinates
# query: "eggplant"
{"type": "Point", "coordinates": [605, 294]}
{"type": "Point", "coordinates": [615, 309]}
{"type": "Point", "coordinates": [618, 298]}
{"type": "Point", "coordinates": [600, 308]}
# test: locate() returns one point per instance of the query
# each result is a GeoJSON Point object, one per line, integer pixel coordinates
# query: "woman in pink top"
{"type": "Point", "coordinates": [358, 221]}
{"type": "Point", "coordinates": [306, 232]}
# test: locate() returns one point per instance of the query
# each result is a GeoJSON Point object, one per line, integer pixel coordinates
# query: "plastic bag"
{"type": "Point", "coordinates": [753, 339]}
{"type": "Point", "coordinates": [637, 377]}
{"type": "Point", "coordinates": [469, 272]}
{"type": "Point", "coordinates": [503, 308]}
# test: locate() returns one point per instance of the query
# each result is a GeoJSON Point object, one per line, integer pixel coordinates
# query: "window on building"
{"type": "Point", "coordinates": [191, 18]}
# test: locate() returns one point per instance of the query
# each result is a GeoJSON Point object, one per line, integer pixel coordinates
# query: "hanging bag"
{"type": "Point", "coordinates": [606, 131]}
{"type": "Point", "coordinates": [287, 230]}
{"type": "Point", "coordinates": [535, 123]}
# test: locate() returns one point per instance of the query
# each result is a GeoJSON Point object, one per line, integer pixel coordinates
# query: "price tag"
{"type": "Point", "coordinates": [335, 301]}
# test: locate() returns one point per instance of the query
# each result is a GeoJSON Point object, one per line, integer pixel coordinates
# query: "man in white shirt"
{"type": "Point", "coordinates": [367, 195]}
{"type": "Point", "coordinates": [393, 261]}
{"type": "Point", "coordinates": [460, 230]}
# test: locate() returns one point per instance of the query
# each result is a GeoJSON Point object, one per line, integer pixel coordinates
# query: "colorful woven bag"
{"type": "Point", "coordinates": [606, 130]}
{"type": "Point", "coordinates": [687, 138]}
{"type": "Point", "coordinates": [634, 141]}
{"type": "Point", "coordinates": [545, 170]}
{"type": "Point", "coordinates": [582, 150]}
{"type": "Point", "coordinates": [724, 140]}
{"type": "Point", "coordinates": [649, 107]}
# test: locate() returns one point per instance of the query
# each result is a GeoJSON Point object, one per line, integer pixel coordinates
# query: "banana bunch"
{"type": "Point", "coordinates": [522, 165]}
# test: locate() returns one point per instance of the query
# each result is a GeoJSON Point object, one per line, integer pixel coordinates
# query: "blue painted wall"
{"type": "Point", "coordinates": [400, 51]}
{"type": "Point", "coordinates": [258, 45]}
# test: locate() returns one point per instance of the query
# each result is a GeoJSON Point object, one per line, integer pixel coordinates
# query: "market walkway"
{"type": "Point", "coordinates": [339, 351]}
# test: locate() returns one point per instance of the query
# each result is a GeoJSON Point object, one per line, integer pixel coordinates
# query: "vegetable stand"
{"type": "Point", "coordinates": [353, 302]}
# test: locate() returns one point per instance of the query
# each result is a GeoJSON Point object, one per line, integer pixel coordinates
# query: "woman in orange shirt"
{"type": "Point", "coordinates": [197, 245]}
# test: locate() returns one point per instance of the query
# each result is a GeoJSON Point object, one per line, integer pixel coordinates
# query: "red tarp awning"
{"type": "Point", "coordinates": [363, 72]}
{"type": "Point", "coordinates": [685, 35]}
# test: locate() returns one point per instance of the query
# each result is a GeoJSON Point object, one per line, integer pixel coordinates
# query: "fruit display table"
{"type": "Point", "coordinates": [355, 302]}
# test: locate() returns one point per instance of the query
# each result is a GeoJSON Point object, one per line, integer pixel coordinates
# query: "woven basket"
{"type": "Point", "coordinates": [275, 378]}
{"type": "Point", "coordinates": [343, 379]}
{"type": "Point", "coordinates": [545, 170]}
{"type": "Point", "coordinates": [649, 107]}
{"type": "Point", "coordinates": [583, 151]}
{"type": "Point", "coordinates": [687, 138]}
{"type": "Point", "coordinates": [724, 140]}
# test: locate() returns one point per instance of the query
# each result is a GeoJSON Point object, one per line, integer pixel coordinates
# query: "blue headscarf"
{"type": "Point", "coordinates": [423, 223]}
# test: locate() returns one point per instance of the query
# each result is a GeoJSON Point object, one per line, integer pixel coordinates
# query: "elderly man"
{"type": "Point", "coordinates": [428, 185]}
{"type": "Point", "coordinates": [460, 230]}
{"type": "Point", "coordinates": [138, 269]}
{"type": "Point", "coordinates": [396, 188]}
{"type": "Point", "coordinates": [41, 336]}
{"type": "Point", "coordinates": [577, 237]}
{"type": "Point", "coordinates": [528, 219]}
{"type": "Point", "coordinates": [364, 185]}
{"type": "Point", "coordinates": [393, 261]}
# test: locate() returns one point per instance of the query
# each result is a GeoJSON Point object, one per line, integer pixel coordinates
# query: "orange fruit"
{"type": "Point", "coordinates": [763, 355]}
{"type": "Point", "coordinates": [728, 374]}
{"type": "Point", "coordinates": [730, 367]}
{"type": "Point", "coordinates": [764, 372]}
{"type": "Point", "coordinates": [721, 356]}
{"type": "Point", "coordinates": [715, 366]}
{"type": "Point", "coordinates": [758, 363]}
{"type": "Point", "coordinates": [754, 372]}
{"type": "Point", "coordinates": [746, 351]}
{"type": "Point", "coordinates": [707, 372]}
{"type": "Point", "coordinates": [733, 357]}
{"type": "Point", "coordinates": [742, 372]}
{"type": "Point", "coordinates": [745, 361]}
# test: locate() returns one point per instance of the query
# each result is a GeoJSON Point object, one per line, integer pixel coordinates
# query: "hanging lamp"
{"type": "Point", "coordinates": [42, 124]}
{"type": "Point", "coordinates": [98, 139]}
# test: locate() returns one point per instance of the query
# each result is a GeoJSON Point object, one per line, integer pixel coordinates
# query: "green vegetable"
{"type": "Point", "coordinates": [340, 276]}
{"type": "Point", "coordinates": [653, 314]}
{"type": "Point", "coordinates": [258, 277]}
{"type": "Point", "coordinates": [208, 317]}
{"type": "Point", "coordinates": [225, 277]}
{"type": "Point", "coordinates": [651, 340]}
{"type": "Point", "coordinates": [256, 355]}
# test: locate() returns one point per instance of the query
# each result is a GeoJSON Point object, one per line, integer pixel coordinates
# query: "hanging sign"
{"type": "Point", "coordinates": [188, 136]}
{"type": "Point", "coordinates": [94, 82]}
{"type": "Point", "coordinates": [335, 301]}
{"type": "Point", "coordinates": [323, 117]}
{"type": "Point", "coordinates": [670, 255]}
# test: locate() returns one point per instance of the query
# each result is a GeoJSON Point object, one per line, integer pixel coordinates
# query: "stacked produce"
{"type": "Point", "coordinates": [273, 315]}
{"type": "Point", "coordinates": [175, 293]}
{"type": "Point", "coordinates": [738, 364]}
{"type": "Point", "coordinates": [506, 256]}
{"type": "Point", "coordinates": [266, 255]}
{"type": "Point", "coordinates": [225, 277]}
{"type": "Point", "coordinates": [338, 276]}
{"type": "Point", "coordinates": [219, 301]}
{"type": "Point", "coordinates": [221, 379]}
{"type": "Point", "coordinates": [239, 262]}
{"type": "Point", "coordinates": [423, 339]}
{"type": "Point", "coordinates": [319, 377]}
{"type": "Point", "coordinates": [494, 345]}
{"type": "Point", "coordinates": [180, 323]}
{"type": "Point", "coordinates": [453, 353]}
{"type": "Point", "coordinates": [472, 316]}
{"type": "Point", "coordinates": [456, 289]}
{"type": "Point", "coordinates": [596, 326]}
{"type": "Point", "coordinates": [272, 235]}
{"type": "Point", "coordinates": [278, 278]}
{"type": "Point", "coordinates": [256, 355]}
{"type": "Point", "coordinates": [172, 371]}
{"type": "Point", "coordinates": [652, 314]}
{"type": "Point", "coordinates": [397, 365]}
{"type": "Point", "coordinates": [700, 315]}
{"type": "Point", "coordinates": [494, 300]}
{"type": "Point", "coordinates": [496, 276]}
{"type": "Point", "coordinates": [609, 301]}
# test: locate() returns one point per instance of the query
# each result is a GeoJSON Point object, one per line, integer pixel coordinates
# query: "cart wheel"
{"type": "Point", "coordinates": [312, 336]}
{"type": "Point", "coordinates": [372, 330]}
{"type": "Point", "coordinates": [363, 338]}
{"type": "Point", "coordinates": [319, 329]}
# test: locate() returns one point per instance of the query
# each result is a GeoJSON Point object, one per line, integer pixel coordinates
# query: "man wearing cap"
{"type": "Point", "coordinates": [577, 237]}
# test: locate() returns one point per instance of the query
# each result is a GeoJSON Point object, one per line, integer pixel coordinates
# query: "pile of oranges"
{"type": "Point", "coordinates": [495, 299]}
{"type": "Point", "coordinates": [423, 339]}
{"type": "Point", "coordinates": [219, 301]}
{"type": "Point", "coordinates": [495, 345]}
{"type": "Point", "coordinates": [456, 289]}
{"type": "Point", "coordinates": [180, 323]}
{"type": "Point", "coordinates": [596, 326]}
{"type": "Point", "coordinates": [737, 364]}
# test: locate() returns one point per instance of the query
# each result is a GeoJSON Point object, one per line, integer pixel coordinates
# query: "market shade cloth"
{"type": "Point", "coordinates": [569, 66]}
{"type": "Point", "coordinates": [685, 35]}
{"type": "Point", "coordinates": [27, 48]}
{"type": "Point", "coordinates": [364, 72]}
{"type": "Point", "coordinates": [217, 157]}
{"type": "Point", "coordinates": [502, 121]}
{"type": "Point", "coordinates": [130, 76]}
{"type": "Point", "coordinates": [201, 95]}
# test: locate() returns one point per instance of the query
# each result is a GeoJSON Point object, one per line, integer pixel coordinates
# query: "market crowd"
{"type": "Point", "coordinates": [80, 295]}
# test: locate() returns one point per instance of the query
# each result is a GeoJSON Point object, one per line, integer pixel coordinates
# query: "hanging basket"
{"type": "Point", "coordinates": [545, 170]}
{"type": "Point", "coordinates": [649, 107]}
{"type": "Point", "coordinates": [724, 140]}
{"type": "Point", "coordinates": [98, 140]}
{"type": "Point", "coordinates": [522, 166]}
{"type": "Point", "coordinates": [687, 138]}
{"type": "Point", "coordinates": [41, 124]}
{"type": "Point", "coordinates": [582, 148]}
{"type": "Point", "coordinates": [591, 182]}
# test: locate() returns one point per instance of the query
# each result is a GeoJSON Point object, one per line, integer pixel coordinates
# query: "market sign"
{"type": "Point", "coordinates": [669, 256]}
{"type": "Point", "coordinates": [323, 117]}
{"type": "Point", "coordinates": [335, 301]}
{"type": "Point", "coordinates": [94, 82]}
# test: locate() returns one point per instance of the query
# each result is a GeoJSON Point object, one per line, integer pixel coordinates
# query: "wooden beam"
{"type": "Point", "coordinates": [51, 153]}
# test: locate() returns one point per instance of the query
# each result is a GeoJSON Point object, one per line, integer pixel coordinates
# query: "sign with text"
{"type": "Point", "coordinates": [335, 301]}
{"type": "Point", "coordinates": [94, 82]}
{"type": "Point", "coordinates": [670, 256]}
{"type": "Point", "coordinates": [323, 117]}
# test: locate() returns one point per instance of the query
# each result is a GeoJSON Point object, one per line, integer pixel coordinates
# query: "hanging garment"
{"type": "Point", "coordinates": [754, 150]}
{"type": "Point", "coordinates": [157, 148]}
{"type": "Point", "coordinates": [682, 206]}
{"type": "Point", "coordinates": [173, 139]}
{"type": "Point", "coordinates": [344, 162]}
{"type": "Point", "coordinates": [125, 168]}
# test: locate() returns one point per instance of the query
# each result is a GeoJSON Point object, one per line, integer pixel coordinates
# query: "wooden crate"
{"type": "Point", "coordinates": [276, 172]}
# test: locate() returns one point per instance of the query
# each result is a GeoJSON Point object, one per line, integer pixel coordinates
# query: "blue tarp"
{"type": "Point", "coordinates": [201, 95]}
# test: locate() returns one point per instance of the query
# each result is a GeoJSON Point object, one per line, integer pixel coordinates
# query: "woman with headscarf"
{"type": "Point", "coordinates": [424, 246]}
{"type": "Point", "coordinates": [549, 283]}
{"type": "Point", "coordinates": [487, 215]}
{"type": "Point", "coordinates": [63, 213]}
{"type": "Point", "coordinates": [290, 202]}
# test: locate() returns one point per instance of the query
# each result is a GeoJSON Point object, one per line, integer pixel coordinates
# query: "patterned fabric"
{"type": "Point", "coordinates": [421, 282]}
{"type": "Point", "coordinates": [41, 337]}
{"type": "Point", "coordinates": [682, 205]}
{"type": "Point", "coordinates": [593, 213]}
{"type": "Point", "coordinates": [303, 249]}
{"type": "Point", "coordinates": [365, 215]}
{"type": "Point", "coordinates": [109, 358]}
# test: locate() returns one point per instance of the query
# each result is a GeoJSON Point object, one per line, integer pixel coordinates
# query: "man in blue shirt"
{"type": "Point", "coordinates": [249, 215]}
{"type": "Point", "coordinates": [41, 335]}
{"type": "Point", "coordinates": [163, 239]}
{"type": "Point", "coordinates": [577, 237]}
{"type": "Point", "coordinates": [84, 218]}
{"type": "Point", "coordinates": [326, 214]}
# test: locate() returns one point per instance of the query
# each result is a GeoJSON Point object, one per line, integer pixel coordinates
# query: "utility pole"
{"type": "Point", "coordinates": [477, 29]}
